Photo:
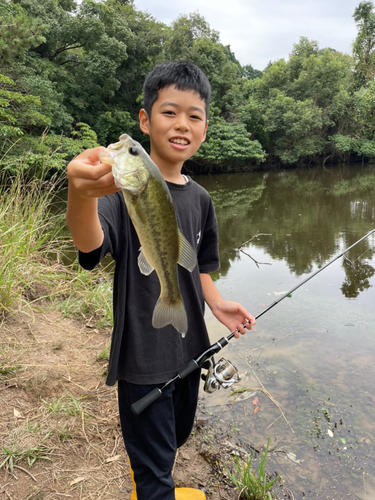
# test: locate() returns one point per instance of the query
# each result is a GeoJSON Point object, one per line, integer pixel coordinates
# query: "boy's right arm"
{"type": "Point", "coordinates": [88, 180]}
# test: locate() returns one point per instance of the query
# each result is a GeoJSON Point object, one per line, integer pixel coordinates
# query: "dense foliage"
{"type": "Point", "coordinates": [71, 77]}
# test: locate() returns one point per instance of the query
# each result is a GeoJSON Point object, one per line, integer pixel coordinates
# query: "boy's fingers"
{"type": "Point", "coordinates": [87, 165]}
{"type": "Point", "coordinates": [241, 329]}
{"type": "Point", "coordinates": [249, 322]}
{"type": "Point", "coordinates": [90, 154]}
{"type": "Point", "coordinates": [87, 170]}
{"type": "Point", "coordinates": [96, 187]}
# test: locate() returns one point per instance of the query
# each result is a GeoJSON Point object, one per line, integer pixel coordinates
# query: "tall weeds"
{"type": "Point", "coordinates": [29, 236]}
{"type": "Point", "coordinates": [251, 481]}
{"type": "Point", "coordinates": [32, 245]}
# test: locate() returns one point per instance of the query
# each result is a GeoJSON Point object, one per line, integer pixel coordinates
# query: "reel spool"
{"type": "Point", "coordinates": [222, 374]}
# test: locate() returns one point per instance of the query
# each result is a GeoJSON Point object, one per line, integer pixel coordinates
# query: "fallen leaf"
{"type": "Point", "coordinates": [244, 395]}
{"type": "Point", "coordinates": [112, 459]}
{"type": "Point", "coordinates": [256, 409]}
{"type": "Point", "coordinates": [17, 414]}
{"type": "Point", "coordinates": [293, 458]}
{"type": "Point", "coordinates": [330, 433]}
{"type": "Point", "coordinates": [76, 481]}
{"type": "Point", "coordinates": [255, 401]}
{"type": "Point", "coordinates": [262, 304]}
{"type": "Point", "coordinates": [274, 372]}
{"type": "Point", "coordinates": [289, 235]}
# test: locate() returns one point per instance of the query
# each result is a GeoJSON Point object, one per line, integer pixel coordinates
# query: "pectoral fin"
{"type": "Point", "coordinates": [187, 257]}
{"type": "Point", "coordinates": [144, 266]}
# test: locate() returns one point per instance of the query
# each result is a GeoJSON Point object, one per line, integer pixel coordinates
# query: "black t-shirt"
{"type": "Point", "coordinates": [140, 353]}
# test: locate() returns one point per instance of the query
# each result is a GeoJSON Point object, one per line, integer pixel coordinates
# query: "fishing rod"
{"type": "Point", "coordinates": [224, 372]}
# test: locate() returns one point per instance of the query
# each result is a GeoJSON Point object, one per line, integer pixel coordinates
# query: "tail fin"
{"type": "Point", "coordinates": [175, 315]}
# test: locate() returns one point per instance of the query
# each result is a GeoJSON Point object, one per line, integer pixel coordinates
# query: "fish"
{"type": "Point", "coordinates": [150, 207]}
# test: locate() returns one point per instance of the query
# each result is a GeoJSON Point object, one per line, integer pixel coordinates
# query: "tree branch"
{"type": "Point", "coordinates": [239, 249]}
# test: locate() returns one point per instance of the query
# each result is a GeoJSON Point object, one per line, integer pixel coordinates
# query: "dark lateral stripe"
{"type": "Point", "coordinates": [158, 230]}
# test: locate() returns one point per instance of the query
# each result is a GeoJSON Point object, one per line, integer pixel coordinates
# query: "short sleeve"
{"type": "Point", "coordinates": [112, 216]}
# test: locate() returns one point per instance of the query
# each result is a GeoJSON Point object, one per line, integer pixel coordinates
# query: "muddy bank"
{"type": "Point", "coordinates": [59, 424]}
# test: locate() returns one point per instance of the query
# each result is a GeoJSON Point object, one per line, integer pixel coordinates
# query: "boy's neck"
{"type": "Point", "coordinates": [170, 172]}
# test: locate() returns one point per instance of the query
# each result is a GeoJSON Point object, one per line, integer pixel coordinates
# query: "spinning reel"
{"type": "Point", "coordinates": [222, 374]}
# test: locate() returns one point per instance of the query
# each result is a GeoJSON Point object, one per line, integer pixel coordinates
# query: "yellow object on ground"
{"type": "Point", "coordinates": [180, 493]}
{"type": "Point", "coordinates": [189, 494]}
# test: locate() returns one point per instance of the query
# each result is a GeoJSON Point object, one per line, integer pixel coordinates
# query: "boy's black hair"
{"type": "Point", "coordinates": [183, 75]}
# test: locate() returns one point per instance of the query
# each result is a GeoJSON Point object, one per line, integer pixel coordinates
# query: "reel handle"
{"type": "Point", "coordinates": [155, 394]}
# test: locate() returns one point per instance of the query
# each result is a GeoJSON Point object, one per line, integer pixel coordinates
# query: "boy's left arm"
{"type": "Point", "coordinates": [231, 314]}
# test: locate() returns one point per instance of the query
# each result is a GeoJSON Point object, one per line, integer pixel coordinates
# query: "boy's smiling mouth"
{"type": "Point", "coordinates": [181, 141]}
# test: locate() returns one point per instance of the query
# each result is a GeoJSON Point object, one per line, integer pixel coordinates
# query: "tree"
{"type": "Point", "coordinates": [17, 112]}
{"type": "Point", "coordinates": [18, 32]}
{"type": "Point", "coordinates": [249, 72]}
{"type": "Point", "coordinates": [364, 44]}
{"type": "Point", "coordinates": [229, 146]}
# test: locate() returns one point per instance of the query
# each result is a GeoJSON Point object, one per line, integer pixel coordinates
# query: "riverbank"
{"type": "Point", "coordinates": [59, 424]}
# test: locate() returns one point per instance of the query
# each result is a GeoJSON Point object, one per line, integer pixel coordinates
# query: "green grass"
{"type": "Point", "coordinates": [29, 235]}
{"type": "Point", "coordinates": [14, 454]}
{"type": "Point", "coordinates": [7, 371]}
{"type": "Point", "coordinates": [32, 246]}
{"type": "Point", "coordinates": [104, 354]}
{"type": "Point", "coordinates": [68, 405]}
{"type": "Point", "coordinates": [251, 481]}
{"type": "Point", "coordinates": [87, 295]}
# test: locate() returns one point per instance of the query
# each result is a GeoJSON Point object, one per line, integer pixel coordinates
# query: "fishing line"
{"type": "Point", "coordinates": [200, 360]}
{"type": "Point", "coordinates": [352, 262]}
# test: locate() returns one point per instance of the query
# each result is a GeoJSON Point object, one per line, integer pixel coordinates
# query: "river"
{"type": "Point", "coordinates": [313, 353]}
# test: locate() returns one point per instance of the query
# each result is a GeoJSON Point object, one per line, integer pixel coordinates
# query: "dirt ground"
{"type": "Point", "coordinates": [59, 427]}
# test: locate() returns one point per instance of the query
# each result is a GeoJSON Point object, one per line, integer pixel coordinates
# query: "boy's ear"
{"type": "Point", "coordinates": [205, 130]}
{"type": "Point", "coordinates": [144, 121]}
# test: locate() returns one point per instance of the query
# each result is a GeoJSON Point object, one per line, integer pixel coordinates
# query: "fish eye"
{"type": "Point", "coordinates": [134, 151]}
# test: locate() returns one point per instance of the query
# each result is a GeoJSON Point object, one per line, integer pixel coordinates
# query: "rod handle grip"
{"type": "Point", "coordinates": [188, 368]}
{"type": "Point", "coordinates": [142, 403]}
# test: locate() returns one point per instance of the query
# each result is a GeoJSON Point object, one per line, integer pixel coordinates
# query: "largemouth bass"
{"type": "Point", "coordinates": [150, 207]}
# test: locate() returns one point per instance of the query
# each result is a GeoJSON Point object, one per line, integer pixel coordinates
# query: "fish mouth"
{"type": "Point", "coordinates": [181, 141]}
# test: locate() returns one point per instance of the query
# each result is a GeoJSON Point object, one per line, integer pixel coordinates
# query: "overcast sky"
{"type": "Point", "coordinates": [262, 30]}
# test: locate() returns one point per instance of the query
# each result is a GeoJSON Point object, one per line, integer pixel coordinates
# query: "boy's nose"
{"type": "Point", "coordinates": [181, 123]}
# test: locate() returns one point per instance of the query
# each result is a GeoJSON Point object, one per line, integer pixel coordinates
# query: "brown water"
{"type": "Point", "coordinates": [314, 352]}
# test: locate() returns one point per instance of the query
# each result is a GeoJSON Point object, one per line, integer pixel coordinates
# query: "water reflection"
{"type": "Point", "coordinates": [357, 278]}
{"type": "Point", "coordinates": [314, 353]}
{"type": "Point", "coordinates": [311, 215]}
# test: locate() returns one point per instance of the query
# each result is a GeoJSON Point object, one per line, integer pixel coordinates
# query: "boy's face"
{"type": "Point", "coordinates": [177, 127]}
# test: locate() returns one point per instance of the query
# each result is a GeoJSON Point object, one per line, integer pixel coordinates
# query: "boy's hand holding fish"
{"type": "Point", "coordinates": [89, 177]}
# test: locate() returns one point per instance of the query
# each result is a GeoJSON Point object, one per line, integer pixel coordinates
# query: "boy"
{"type": "Point", "coordinates": [175, 116]}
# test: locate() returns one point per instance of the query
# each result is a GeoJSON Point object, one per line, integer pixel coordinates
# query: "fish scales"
{"type": "Point", "coordinates": [150, 207]}
{"type": "Point", "coordinates": [159, 233]}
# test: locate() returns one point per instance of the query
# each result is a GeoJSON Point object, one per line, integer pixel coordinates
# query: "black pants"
{"type": "Point", "coordinates": [152, 438]}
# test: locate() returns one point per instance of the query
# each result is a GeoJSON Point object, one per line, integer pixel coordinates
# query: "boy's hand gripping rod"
{"type": "Point", "coordinates": [198, 362]}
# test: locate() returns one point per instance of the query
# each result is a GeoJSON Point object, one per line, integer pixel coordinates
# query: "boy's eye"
{"type": "Point", "coordinates": [195, 117]}
{"type": "Point", "coordinates": [169, 112]}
